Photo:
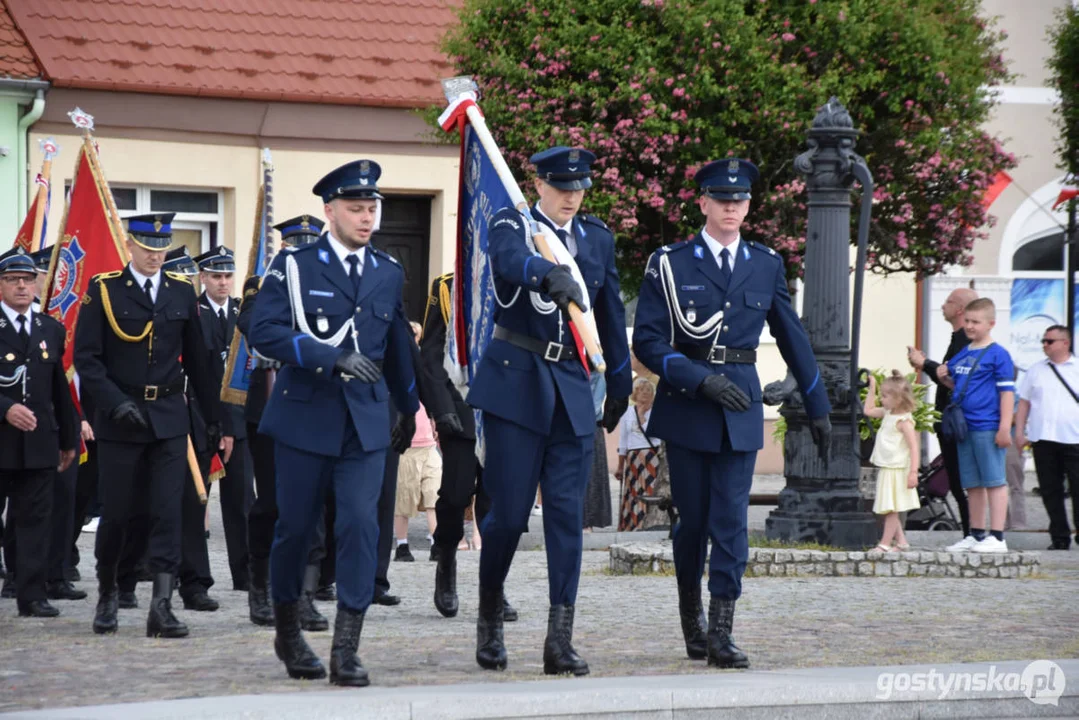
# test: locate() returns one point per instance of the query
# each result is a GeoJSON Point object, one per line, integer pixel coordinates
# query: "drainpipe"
{"type": "Point", "coordinates": [22, 152]}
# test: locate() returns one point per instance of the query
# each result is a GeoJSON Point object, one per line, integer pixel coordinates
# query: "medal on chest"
{"type": "Point", "coordinates": [44, 350]}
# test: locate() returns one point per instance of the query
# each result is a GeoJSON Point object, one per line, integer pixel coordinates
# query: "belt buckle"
{"type": "Point", "coordinates": [149, 393]}
{"type": "Point", "coordinates": [558, 353]}
{"type": "Point", "coordinates": [717, 360]}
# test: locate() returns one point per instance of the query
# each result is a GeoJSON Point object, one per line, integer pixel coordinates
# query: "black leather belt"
{"type": "Point", "coordinates": [152, 392]}
{"type": "Point", "coordinates": [718, 355]}
{"type": "Point", "coordinates": [552, 351]}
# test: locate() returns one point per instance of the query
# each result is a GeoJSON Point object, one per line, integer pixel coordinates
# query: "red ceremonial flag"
{"type": "Point", "coordinates": [91, 242]}
{"type": "Point", "coordinates": [1000, 182]}
{"type": "Point", "coordinates": [25, 237]}
{"type": "Point", "coordinates": [1065, 195]}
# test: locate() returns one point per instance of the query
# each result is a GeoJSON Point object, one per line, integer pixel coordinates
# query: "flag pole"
{"type": "Point", "coordinates": [50, 149]}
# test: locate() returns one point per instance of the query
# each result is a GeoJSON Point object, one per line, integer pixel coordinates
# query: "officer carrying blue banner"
{"type": "Point", "coordinates": [332, 313]}
{"type": "Point", "coordinates": [703, 305]}
{"type": "Point", "coordinates": [538, 413]}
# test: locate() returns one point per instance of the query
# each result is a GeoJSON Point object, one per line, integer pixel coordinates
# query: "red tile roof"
{"type": "Point", "coordinates": [16, 60]}
{"type": "Point", "coordinates": [353, 52]}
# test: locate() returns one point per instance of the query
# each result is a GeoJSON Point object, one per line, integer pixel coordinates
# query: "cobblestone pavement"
{"type": "Point", "coordinates": [626, 625]}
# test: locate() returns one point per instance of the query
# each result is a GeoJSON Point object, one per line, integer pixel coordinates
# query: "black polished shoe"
{"type": "Point", "coordinates": [311, 619]}
{"type": "Point", "coordinates": [63, 590]}
{"type": "Point", "coordinates": [509, 613]}
{"type": "Point", "coordinates": [200, 602]}
{"type": "Point", "coordinates": [160, 622]}
{"type": "Point", "coordinates": [105, 613]}
{"type": "Point", "coordinates": [326, 593]}
{"type": "Point", "coordinates": [1060, 545]}
{"type": "Point", "coordinates": [694, 624]}
{"type": "Point", "coordinates": [258, 594]}
{"type": "Point", "coordinates": [403, 554]}
{"type": "Point", "coordinates": [722, 652]}
{"type": "Point", "coordinates": [446, 584]}
{"type": "Point", "coordinates": [38, 608]}
{"type": "Point", "coordinates": [386, 599]}
{"type": "Point", "coordinates": [559, 657]}
{"type": "Point", "coordinates": [290, 646]}
{"type": "Point", "coordinates": [490, 643]}
{"type": "Point", "coordinates": [127, 600]}
{"type": "Point", "coordinates": [345, 666]}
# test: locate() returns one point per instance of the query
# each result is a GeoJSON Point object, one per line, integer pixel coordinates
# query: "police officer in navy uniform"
{"type": "Point", "coordinates": [135, 326]}
{"type": "Point", "coordinates": [535, 394]}
{"type": "Point", "coordinates": [218, 312]}
{"type": "Point", "coordinates": [38, 426]}
{"type": "Point", "coordinates": [332, 313]}
{"type": "Point", "coordinates": [702, 307]}
{"type": "Point", "coordinates": [295, 232]}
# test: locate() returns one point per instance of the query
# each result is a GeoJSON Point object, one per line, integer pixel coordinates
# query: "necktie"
{"type": "Point", "coordinates": [725, 264]}
{"type": "Point", "coordinates": [568, 241]}
{"type": "Point", "coordinates": [24, 334]}
{"type": "Point", "coordinates": [223, 324]}
{"type": "Point", "coordinates": [354, 273]}
{"type": "Point", "coordinates": [149, 288]}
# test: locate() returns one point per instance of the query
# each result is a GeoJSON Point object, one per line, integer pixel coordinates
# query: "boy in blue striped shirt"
{"type": "Point", "coordinates": [982, 375]}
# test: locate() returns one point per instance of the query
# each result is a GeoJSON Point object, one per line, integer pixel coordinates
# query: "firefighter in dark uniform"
{"type": "Point", "coordinates": [332, 313]}
{"type": "Point", "coordinates": [295, 232]}
{"type": "Point", "coordinates": [38, 426]}
{"type": "Point", "coordinates": [701, 310]}
{"type": "Point", "coordinates": [218, 312]}
{"type": "Point", "coordinates": [137, 344]}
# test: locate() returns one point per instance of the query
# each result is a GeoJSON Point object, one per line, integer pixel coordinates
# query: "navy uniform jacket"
{"type": "Point", "coordinates": [518, 385]}
{"type": "Point", "coordinates": [232, 416]}
{"type": "Point", "coordinates": [309, 405]}
{"type": "Point", "coordinates": [756, 293]}
{"type": "Point", "coordinates": [258, 386]}
{"type": "Point", "coordinates": [433, 352]}
{"type": "Point", "coordinates": [47, 395]}
{"type": "Point", "coordinates": [112, 370]}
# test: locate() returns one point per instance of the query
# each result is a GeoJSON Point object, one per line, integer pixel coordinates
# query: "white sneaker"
{"type": "Point", "coordinates": [91, 527]}
{"type": "Point", "coordinates": [965, 545]}
{"type": "Point", "coordinates": [537, 510]}
{"type": "Point", "coordinates": [990, 545]}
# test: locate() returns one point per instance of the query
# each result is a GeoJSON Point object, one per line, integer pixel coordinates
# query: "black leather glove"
{"type": "Point", "coordinates": [720, 390]}
{"type": "Point", "coordinates": [358, 365]}
{"type": "Point", "coordinates": [128, 413]}
{"type": "Point", "coordinates": [401, 435]}
{"type": "Point", "coordinates": [213, 432]}
{"type": "Point", "coordinates": [613, 410]}
{"type": "Point", "coordinates": [821, 430]}
{"type": "Point", "coordinates": [561, 287]}
{"type": "Point", "coordinates": [449, 424]}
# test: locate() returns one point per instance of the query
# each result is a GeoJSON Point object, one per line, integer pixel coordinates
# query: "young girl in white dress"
{"type": "Point", "coordinates": [895, 455]}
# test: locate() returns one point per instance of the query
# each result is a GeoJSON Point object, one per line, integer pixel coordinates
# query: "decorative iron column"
{"type": "Point", "coordinates": [821, 502]}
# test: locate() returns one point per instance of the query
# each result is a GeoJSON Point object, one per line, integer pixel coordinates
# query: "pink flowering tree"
{"type": "Point", "coordinates": [656, 88]}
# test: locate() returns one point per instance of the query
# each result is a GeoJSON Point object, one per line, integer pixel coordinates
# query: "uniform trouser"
{"type": "Point", "coordinates": [1053, 461]}
{"type": "Point", "coordinates": [136, 544]}
{"type": "Point", "coordinates": [387, 501]}
{"type": "Point", "coordinates": [950, 451]}
{"type": "Point", "coordinates": [263, 514]}
{"type": "Point", "coordinates": [324, 547]}
{"type": "Point", "coordinates": [161, 468]}
{"type": "Point", "coordinates": [237, 496]}
{"type": "Point", "coordinates": [711, 492]}
{"type": "Point", "coordinates": [462, 477]}
{"type": "Point", "coordinates": [30, 496]}
{"type": "Point", "coordinates": [63, 512]}
{"type": "Point", "coordinates": [302, 481]}
{"type": "Point", "coordinates": [519, 460]}
{"type": "Point", "coordinates": [85, 496]}
{"type": "Point", "coordinates": [195, 576]}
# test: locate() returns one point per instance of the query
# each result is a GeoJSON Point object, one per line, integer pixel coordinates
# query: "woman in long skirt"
{"type": "Point", "coordinates": [638, 457]}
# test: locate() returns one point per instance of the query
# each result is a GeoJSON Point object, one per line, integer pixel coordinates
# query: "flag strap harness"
{"type": "Point", "coordinates": [299, 318]}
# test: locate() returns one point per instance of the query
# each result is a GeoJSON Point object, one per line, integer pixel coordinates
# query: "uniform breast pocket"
{"type": "Point", "coordinates": [694, 299]}
{"type": "Point", "coordinates": [326, 303]}
{"type": "Point", "coordinates": [758, 300]}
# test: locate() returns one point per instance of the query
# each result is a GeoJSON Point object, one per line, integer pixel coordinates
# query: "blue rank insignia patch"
{"type": "Point", "coordinates": [745, 252]}
{"type": "Point", "coordinates": [324, 257]}
{"type": "Point", "coordinates": [698, 252]}
{"type": "Point", "coordinates": [374, 261]}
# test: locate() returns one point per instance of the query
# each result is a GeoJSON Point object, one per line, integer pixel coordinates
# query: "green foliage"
{"type": "Point", "coordinates": [1064, 70]}
{"type": "Point", "coordinates": [656, 88]}
{"type": "Point", "coordinates": [925, 414]}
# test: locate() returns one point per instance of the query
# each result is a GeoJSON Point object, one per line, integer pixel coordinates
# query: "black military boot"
{"type": "Point", "coordinates": [490, 644]}
{"type": "Point", "coordinates": [311, 619]}
{"type": "Point", "coordinates": [345, 666]}
{"type": "Point", "coordinates": [258, 600]}
{"type": "Point", "coordinates": [300, 660]}
{"type": "Point", "coordinates": [108, 603]}
{"type": "Point", "coordinates": [722, 652]}
{"type": "Point", "coordinates": [694, 625]}
{"type": "Point", "coordinates": [559, 657]}
{"type": "Point", "coordinates": [160, 622]}
{"type": "Point", "coordinates": [446, 582]}
{"type": "Point", "coordinates": [509, 613]}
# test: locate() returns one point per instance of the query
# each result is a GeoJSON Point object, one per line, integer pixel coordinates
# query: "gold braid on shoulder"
{"type": "Point", "coordinates": [444, 300]}
{"type": "Point", "coordinates": [106, 302]}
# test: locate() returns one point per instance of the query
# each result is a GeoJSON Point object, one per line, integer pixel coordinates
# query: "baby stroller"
{"type": "Point", "coordinates": [935, 512]}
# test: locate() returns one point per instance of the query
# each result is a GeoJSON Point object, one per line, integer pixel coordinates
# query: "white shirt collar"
{"type": "Point", "coordinates": [141, 279]}
{"type": "Point", "coordinates": [716, 247]}
{"type": "Point", "coordinates": [13, 315]}
{"type": "Point", "coordinates": [568, 227]}
{"type": "Point", "coordinates": [343, 252]}
{"type": "Point", "coordinates": [215, 307]}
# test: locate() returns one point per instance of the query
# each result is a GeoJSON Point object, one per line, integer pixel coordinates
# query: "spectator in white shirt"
{"type": "Point", "coordinates": [638, 457]}
{"type": "Point", "coordinates": [1049, 419]}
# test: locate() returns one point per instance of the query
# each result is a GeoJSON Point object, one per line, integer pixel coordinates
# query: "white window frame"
{"type": "Point", "coordinates": [183, 220]}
